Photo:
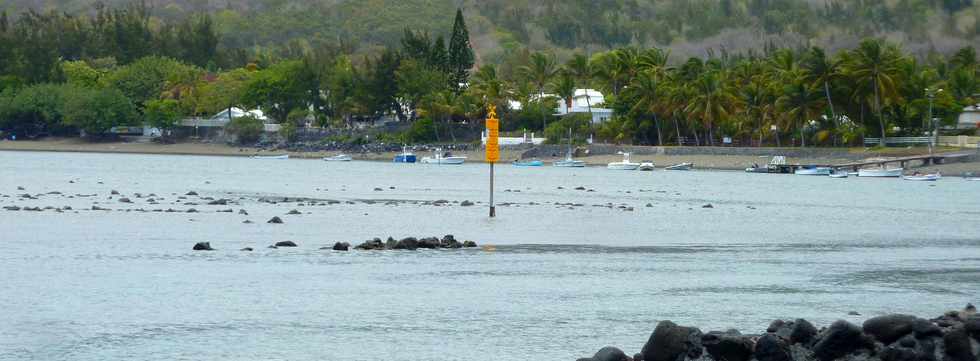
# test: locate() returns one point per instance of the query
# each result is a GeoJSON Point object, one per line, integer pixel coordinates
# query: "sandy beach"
{"type": "Point", "coordinates": [701, 161]}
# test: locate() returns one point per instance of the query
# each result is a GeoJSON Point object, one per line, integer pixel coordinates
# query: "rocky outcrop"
{"type": "Point", "coordinates": [341, 246]}
{"type": "Point", "coordinates": [203, 246]}
{"type": "Point", "coordinates": [275, 220]}
{"type": "Point", "coordinates": [285, 244]}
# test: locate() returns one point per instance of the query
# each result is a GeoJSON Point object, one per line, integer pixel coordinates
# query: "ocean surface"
{"type": "Point", "coordinates": [572, 270]}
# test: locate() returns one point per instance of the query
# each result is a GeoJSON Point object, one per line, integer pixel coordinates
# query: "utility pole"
{"type": "Point", "coordinates": [934, 135]}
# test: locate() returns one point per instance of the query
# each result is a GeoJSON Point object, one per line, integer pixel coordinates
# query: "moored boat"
{"type": "Point", "coordinates": [443, 158]}
{"type": "Point", "coordinates": [339, 158]}
{"type": "Point", "coordinates": [646, 166]}
{"type": "Point", "coordinates": [838, 174]}
{"type": "Point", "coordinates": [682, 166]}
{"type": "Point", "coordinates": [923, 177]}
{"type": "Point", "coordinates": [281, 156]}
{"type": "Point", "coordinates": [626, 164]}
{"type": "Point", "coordinates": [528, 163]}
{"type": "Point", "coordinates": [881, 172]}
{"type": "Point", "coordinates": [813, 170]}
{"type": "Point", "coordinates": [569, 161]}
{"type": "Point", "coordinates": [405, 156]}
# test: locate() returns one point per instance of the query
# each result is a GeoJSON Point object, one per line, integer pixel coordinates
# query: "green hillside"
{"type": "Point", "coordinates": [688, 27]}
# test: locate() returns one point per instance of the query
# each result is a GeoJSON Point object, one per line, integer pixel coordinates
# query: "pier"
{"type": "Point", "coordinates": [923, 160]}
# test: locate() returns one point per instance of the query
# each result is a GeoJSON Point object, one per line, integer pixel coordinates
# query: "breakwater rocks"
{"type": "Point", "coordinates": [410, 243]}
{"type": "Point", "coordinates": [954, 336]}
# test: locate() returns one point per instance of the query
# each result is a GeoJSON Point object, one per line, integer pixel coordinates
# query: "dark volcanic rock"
{"type": "Point", "coordinates": [191, 193]}
{"type": "Point", "coordinates": [12, 208]}
{"type": "Point", "coordinates": [203, 246]}
{"type": "Point", "coordinates": [247, 249]}
{"type": "Point", "coordinates": [450, 242]}
{"type": "Point", "coordinates": [409, 243]}
{"type": "Point", "coordinates": [294, 212]}
{"type": "Point", "coordinates": [374, 244]}
{"type": "Point", "coordinates": [889, 328]}
{"type": "Point", "coordinates": [285, 244]}
{"type": "Point", "coordinates": [840, 339]}
{"type": "Point", "coordinates": [469, 244]}
{"type": "Point", "coordinates": [770, 347]}
{"type": "Point", "coordinates": [670, 342]}
{"type": "Point", "coordinates": [728, 347]}
{"type": "Point", "coordinates": [958, 345]}
{"type": "Point", "coordinates": [610, 353]}
{"type": "Point", "coordinates": [466, 203]}
{"type": "Point", "coordinates": [219, 202]}
{"type": "Point", "coordinates": [275, 220]}
{"type": "Point", "coordinates": [125, 200]}
{"type": "Point", "coordinates": [341, 246]}
{"type": "Point", "coordinates": [429, 243]}
{"type": "Point", "coordinates": [803, 332]}
{"type": "Point", "coordinates": [114, 192]}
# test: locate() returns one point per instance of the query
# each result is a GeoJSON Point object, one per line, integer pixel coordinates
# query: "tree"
{"type": "Point", "coordinates": [821, 70]}
{"type": "Point", "coordinates": [564, 87]}
{"type": "Point", "coordinates": [648, 93]}
{"type": "Point", "coordinates": [280, 89]}
{"type": "Point", "coordinates": [580, 68]}
{"type": "Point", "coordinates": [711, 103]}
{"type": "Point", "coordinates": [97, 111]}
{"type": "Point", "coordinates": [875, 63]}
{"type": "Point", "coordinates": [34, 110]}
{"type": "Point", "coordinates": [539, 71]}
{"type": "Point", "coordinates": [801, 102]}
{"type": "Point", "coordinates": [416, 82]}
{"type": "Point", "coordinates": [461, 57]}
{"type": "Point", "coordinates": [162, 113]}
{"type": "Point", "coordinates": [148, 78]}
{"type": "Point", "coordinates": [247, 129]}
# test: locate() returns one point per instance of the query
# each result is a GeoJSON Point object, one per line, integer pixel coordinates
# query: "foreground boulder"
{"type": "Point", "coordinates": [958, 345]}
{"type": "Point", "coordinates": [203, 246]}
{"type": "Point", "coordinates": [610, 353]}
{"type": "Point", "coordinates": [840, 339]}
{"type": "Point", "coordinates": [799, 331]}
{"type": "Point", "coordinates": [770, 347]}
{"type": "Point", "coordinates": [890, 328]}
{"type": "Point", "coordinates": [670, 342]}
{"type": "Point", "coordinates": [728, 347]}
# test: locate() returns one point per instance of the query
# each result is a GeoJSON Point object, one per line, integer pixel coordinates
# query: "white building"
{"type": "Point", "coordinates": [969, 118]}
{"type": "Point", "coordinates": [583, 102]}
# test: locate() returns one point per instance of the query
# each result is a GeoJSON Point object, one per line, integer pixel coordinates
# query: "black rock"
{"type": "Point", "coordinates": [409, 243]}
{"type": "Point", "coordinates": [894, 353]}
{"type": "Point", "coordinates": [275, 220]}
{"type": "Point", "coordinates": [610, 353]}
{"type": "Point", "coordinates": [670, 342]}
{"type": "Point", "coordinates": [294, 212]}
{"type": "Point", "coordinates": [972, 325]}
{"type": "Point", "coordinates": [889, 328]}
{"type": "Point", "coordinates": [429, 243]}
{"type": "Point", "coordinates": [469, 244]}
{"type": "Point", "coordinates": [125, 200]}
{"type": "Point", "coordinates": [203, 246]}
{"type": "Point", "coordinates": [12, 208]}
{"type": "Point", "coordinates": [374, 244]}
{"type": "Point", "coordinates": [840, 339]}
{"type": "Point", "coordinates": [219, 202]}
{"type": "Point", "coordinates": [466, 204]}
{"type": "Point", "coordinates": [242, 212]}
{"type": "Point", "coordinates": [192, 210]}
{"type": "Point", "coordinates": [708, 206]}
{"type": "Point", "coordinates": [728, 347]}
{"type": "Point", "coordinates": [390, 243]}
{"type": "Point", "coordinates": [191, 193]}
{"type": "Point", "coordinates": [770, 347]}
{"type": "Point", "coordinates": [341, 246]}
{"type": "Point", "coordinates": [247, 249]}
{"type": "Point", "coordinates": [958, 345]}
{"type": "Point", "coordinates": [97, 208]}
{"type": "Point", "coordinates": [247, 222]}
{"type": "Point", "coordinates": [285, 244]}
{"type": "Point", "coordinates": [450, 242]}
{"type": "Point", "coordinates": [114, 192]}
{"type": "Point", "coordinates": [802, 332]}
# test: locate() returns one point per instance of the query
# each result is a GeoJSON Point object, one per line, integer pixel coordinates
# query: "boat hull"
{"type": "Point", "coordinates": [880, 173]}
{"type": "Point", "coordinates": [623, 166]}
{"type": "Point", "coordinates": [267, 157]}
{"type": "Point", "coordinates": [813, 171]}
{"type": "Point", "coordinates": [646, 167]}
{"type": "Point", "coordinates": [838, 175]}
{"type": "Point", "coordinates": [339, 158]}
{"type": "Point", "coordinates": [923, 178]}
{"type": "Point", "coordinates": [444, 161]}
{"type": "Point", "coordinates": [531, 163]}
{"type": "Point", "coordinates": [687, 166]}
{"type": "Point", "coordinates": [405, 158]}
{"type": "Point", "coordinates": [570, 164]}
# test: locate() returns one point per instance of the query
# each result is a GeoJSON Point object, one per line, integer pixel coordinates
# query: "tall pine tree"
{"type": "Point", "coordinates": [461, 57]}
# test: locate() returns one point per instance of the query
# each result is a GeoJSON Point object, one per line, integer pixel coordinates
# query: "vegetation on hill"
{"type": "Point", "coordinates": [425, 63]}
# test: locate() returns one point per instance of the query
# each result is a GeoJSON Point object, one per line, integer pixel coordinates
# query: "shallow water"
{"type": "Point", "coordinates": [564, 280]}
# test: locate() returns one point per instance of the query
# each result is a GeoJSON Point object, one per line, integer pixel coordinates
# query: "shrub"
{"type": "Point", "coordinates": [247, 129]}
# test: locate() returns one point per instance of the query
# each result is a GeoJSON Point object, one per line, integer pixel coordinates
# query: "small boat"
{"type": "Point", "coordinates": [838, 174]}
{"type": "Point", "coordinates": [528, 163]}
{"type": "Point", "coordinates": [281, 156]}
{"type": "Point", "coordinates": [646, 166]}
{"type": "Point", "coordinates": [923, 177]}
{"type": "Point", "coordinates": [443, 158]}
{"type": "Point", "coordinates": [880, 172]}
{"type": "Point", "coordinates": [339, 158]}
{"type": "Point", "coordinates": [973, 179]}
{"type": "Point", "coordinates": [681, 166]}
{"type": "Point", "coordinates": [624, 165]}
{"type": "Point", "coordinates": [757, 169]}
{"type": "Point", "coordinates": [773, 165]}
{"type": "Point", "coordinates": [569, 161]}
{"type": "Point", "coordinates": [813, 170]}
{"type": "Point", "coordinates": [854, 174]}
{"type": "Point", "coordinates": [405, 156]}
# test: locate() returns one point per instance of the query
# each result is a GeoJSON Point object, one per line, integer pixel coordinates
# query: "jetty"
{"type": "Point", "coordinates": [922, 160]}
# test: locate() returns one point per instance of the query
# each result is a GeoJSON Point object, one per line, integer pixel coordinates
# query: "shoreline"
{"type": "Point", "coordinates": [719, 162]}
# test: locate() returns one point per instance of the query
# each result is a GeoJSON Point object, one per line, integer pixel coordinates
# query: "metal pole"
{"type": "Point", "coordinates": [493, 210]}
{"type": "Point", "coordinates": [932, 138]}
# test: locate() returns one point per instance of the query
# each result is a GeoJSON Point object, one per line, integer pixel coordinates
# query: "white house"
{"type": "Point", "coordinates": [583, 102]}
{"type": "Point", "coordinates": [969, 118]}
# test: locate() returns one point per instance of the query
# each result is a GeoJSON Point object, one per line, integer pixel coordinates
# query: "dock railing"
{"type": "Point", "coordinates": [897, 141]}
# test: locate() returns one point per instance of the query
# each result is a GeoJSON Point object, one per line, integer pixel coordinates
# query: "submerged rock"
{"type": "Point", "coordinates": [374, 244]}
{"type": "Point", "coordinates": [469, 244]}
{"type": "Point", "coordinates": [285, 244]}
{"type": "Point", "coordinates": [466, 204]}
{"type": "Point", "coordinates": [203, 246]}
{"type": "Point", "coordinates": [293, 212]}
{"type": "Point", "coordinates": [275, 220]}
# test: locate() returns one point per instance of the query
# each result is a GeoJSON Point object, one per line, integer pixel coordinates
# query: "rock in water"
{"type": "Point", "coordinates": [889, 328]}
{"type": "Point", "coordinates": [429, 243]}
{"type": "Point", "coordinates": [670, 342]}
{"type": "Point", "coordinates": [469, 244]}
{"type": "Point", "coordinates": [243, 212]}
{"type": "Point", "coordinates": [114, 192]}
{"type": "Point", "coordinates": [219, 202]}
{"type": "Point", "coordinates": [275, 220]}
{"type": "Point", "coordinates": [770, 347]}
{"type": "Point", "coordinates": [610, 353]}
{"type": "Point", "coordinates": [728, 347]}
{"type": "Point", "coordinates": [285, 244]}
{"type": "Point", "coordinates": [125, 200]}
{"type": "Point", "coordinates": [409, 243]}
{"type": "Point", "coordinates": [203, 246]}
{"type": "Point", "coordinates": [247, 249]}
{"type": "Point", "coordinates": [341, 246]}
{"type": "Point", "coordinates": [466, 204]}
{"type": "Point", "coordinates": [840, 339]}
{"type": "Point", "coordinates": [293, 212]}
{"type": "Point", "coordinates": [191, 193]}
{"type": "Point", "coordinates": [374, 244]}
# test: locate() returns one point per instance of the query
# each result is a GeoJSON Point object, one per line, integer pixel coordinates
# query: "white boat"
{"type": "Point", "coordinates": [813, 170]}
{"type": "Point", "coordinates": [647, 167]}
{"type": "Point", "coordinates": [880, 172]}
{"type": "Point", "coordinates": [773, 165]}
{"type": "Point", "coordinates": [569, 161]}
{"type": "Point", "coordinates": [443, 158]}
{"type": "Point", "coordinates": [281, 156]}
{"type": "Point", "coordinates": [339, 158]}
{"type": "Point", "coordinates": [682, 166]}
{"type": "Point", "coordinates": [838, 175]}
{"type": "Point", "coordinates": [973, 179]}
{"type": "Point", "coordinates": [625, 164]}
{"type": "Point", "coordinates": [923, 177]}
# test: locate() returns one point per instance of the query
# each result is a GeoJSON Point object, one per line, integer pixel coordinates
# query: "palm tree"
{"type": "Point", "coordinates": [581, 69]}
{"type": "Point", "coordinates": [539, 71]}
{"type": "Point", "coordinates": [875, 63]}
{"type": "Point", "coordinates": [821, 70]}
{"type": "Point", "coordinates": [801, 102]}
{"type": "Point", "coordinates": [564, 87]}
{"type": "Point", "coordinates": [648, 91]}
{"type": "Point", "coordinates": [711, 102]}
{"type": "Point", "coordinates": [488, 86]}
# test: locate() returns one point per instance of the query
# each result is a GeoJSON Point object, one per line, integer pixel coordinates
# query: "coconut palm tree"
{"type": "Point", "coordinates": [539, 71]}
{"type": "Point", "coordinates": [801, 102]}
{"type": "Point", "coordinates": [649, 94]}
{"type": "Point", "coordinates": [874, 63]}
{"type": "Point", "coordinates": [712, 101]}
{"type": "Point", "coordinates": [564, 87]}
{"type": "Point", "coordinates": [822, 70]}
{"type": "Point", "coordinates": [489, 87]}
{"type": "Point", "coordinates": [581, 69]}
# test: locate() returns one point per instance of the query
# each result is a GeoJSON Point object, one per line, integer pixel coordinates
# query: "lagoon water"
{"type": "Point", "coordinates": [564, 280]}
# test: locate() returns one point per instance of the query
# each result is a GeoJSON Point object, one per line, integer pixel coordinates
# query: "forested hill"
{"type": "Point", "coordinates": [687, 27]}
